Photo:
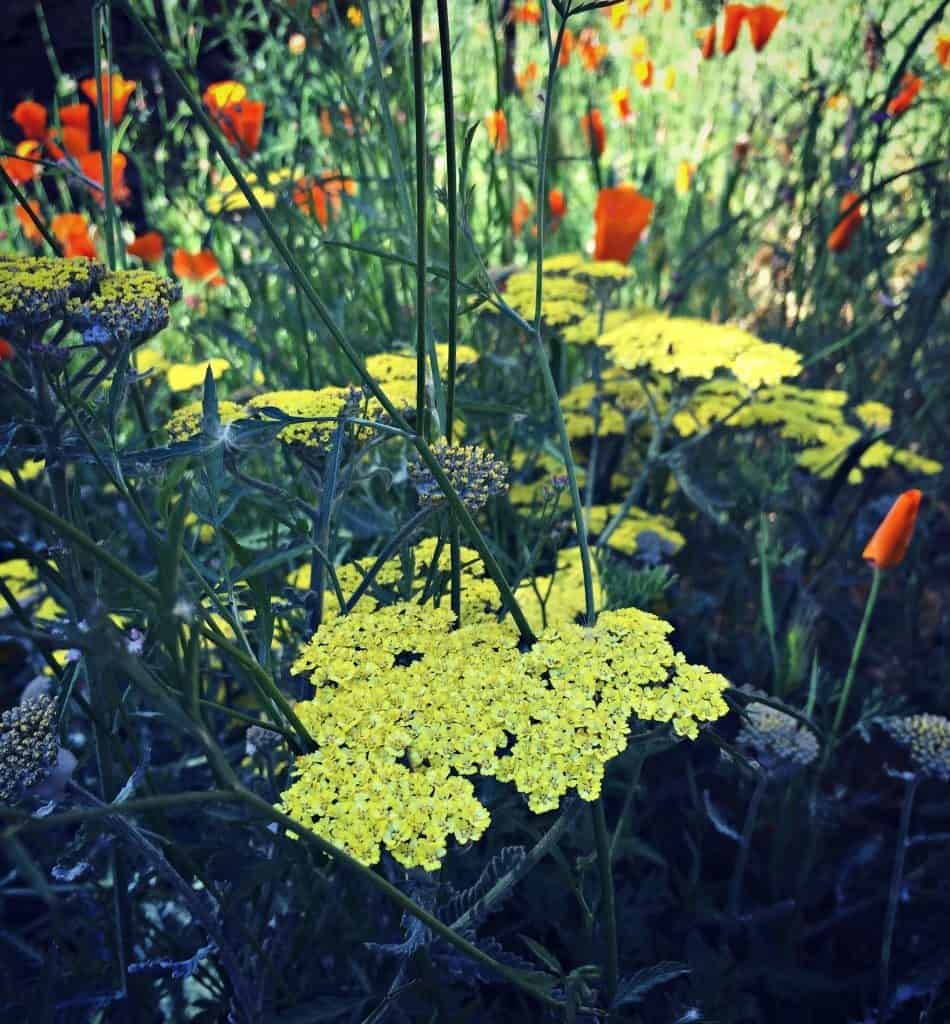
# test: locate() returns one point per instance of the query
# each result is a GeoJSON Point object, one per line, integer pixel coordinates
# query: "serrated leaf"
{"type": "Point", "coordinates": [632, 990]}
{"type": "Point", "coordinates": [543, 954]}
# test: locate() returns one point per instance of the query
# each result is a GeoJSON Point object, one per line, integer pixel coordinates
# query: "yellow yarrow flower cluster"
{"type": "Point", "coordinates": [636, 524]}
{"type": "Point", "coordinates": [385, 367]}
{"type": "Point", "coordinates": [228, 198]}
{"type": "Point", "coordinates": [406, 707]}
{"type": "Point", "coordinates": [29, 470]}
{"type": "Point", "coordinates": [34, 290]}
{"type": "Point", "coordinates": [563, 298]}
{"type": "Point", "coordinates": [324, 406]}
{"type": "Point", "coordinates": [127, 306]}
{"type": "Point", "coordinates": [186, 421]}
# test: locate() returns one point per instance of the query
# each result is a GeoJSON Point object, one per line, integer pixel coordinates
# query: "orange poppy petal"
{"type": "Point", "coordinates": [886, 549]}
{"type": "Point", "coordinates": [31, 117]}
{"type": "Point", "coordinates": [620, 217]}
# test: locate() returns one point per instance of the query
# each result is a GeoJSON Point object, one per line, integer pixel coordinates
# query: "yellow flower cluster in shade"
{"type": "Point", "coordinates": [815, 418]}
{"type": "Point", "coordinates": [406, 709]}
{"type": "Point", "coordinates": [34, 290]}
{"type": "Point", "coordinates": [127, 306]}
{"type": "Point", "coordinates": [29, 470]}
{"type": "Point", "coordinates": [563, 297]}
{"type": "Point", "coordinates": [636, 524]}
{"type": "Point", "coordinates": [228, 198]}
{"type": "Point", "coordinates": [28, 590]}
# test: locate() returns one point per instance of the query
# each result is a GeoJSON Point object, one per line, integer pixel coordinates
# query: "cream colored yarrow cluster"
{"type": "Point", "coordinates": [927, 738]}
{"type": "Point", "coordinates": [406, 707]}
{"type": "Point", "coordinates": [776, 738]}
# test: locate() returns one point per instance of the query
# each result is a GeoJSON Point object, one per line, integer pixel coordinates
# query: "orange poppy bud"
{"type": "Point", "coordinates": [911, 86]}
{"type": "Point", "coordinates": [30, 231]}
{"type": "Point", "coordinates": [557, 203]}
{"type": "Point", "coordinates": [22, 167]}
{"type": "Point", "coordinates": [887, 547]}
{"type": "Point", "coordinates": [592, 51]}
{"type": "Point", "coordinates": [942, 49]}
{"type": "Point", "coordinates": [526, 14]}
{"type": "Point", "coordinates": [7, 351]}
{"type": "Point", "coordinates": [197, 266]}
{"type": "Point", "coordinates": [843, 231]}
{"type": "Point", "coordinates": [620, 217]}
{"type": "Point", "coordinates": [763, 20]}
{"type": "Point", "coordinates": [643, 69]}
{"type": "Point", "coordinates": [31, 117]}
{"type": "Point", "coordinates": [733, 17]}
{"type": "Point", "coordinates": [520, 215]}
{"type": "Point", "coordinates": [567, 48]}
{"type": "Point", "coordinates": [115, 89]}
{"type": "Point", "coordinates": [296, 44]}
{"type": "Point", "coordinates": [707, 40]}
{"type": "Point", "coordinates": [595, 133]}
{"type": "Point", "coordinates": [527, 76]}
{"type": "Point", "coordinates": [310, 198]}
{"type": "Point", "coordinates": [149, 247]}
{"type": "Point", "coordinates": [621, 102]}
{"type": "Point", "coordinates": [91, 166]}
{"type": "Point", "coordinates": [497, 125]}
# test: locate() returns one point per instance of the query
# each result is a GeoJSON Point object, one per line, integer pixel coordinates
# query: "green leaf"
{"type": "Point", "coordinates": [544, 955]}
{"type": "Point", "coordinates": [632, 990]}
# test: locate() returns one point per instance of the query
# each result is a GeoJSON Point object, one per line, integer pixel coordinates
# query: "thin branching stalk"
{"type": "Point", "coordinates": [422, 230]}
{"type": "Point", "coordinates": [855, 656]}
{"type": "Point", "coordinates": [745, 844]}
{"type": "Point", "coordinates": [101, 52]}
{"type": "Point", "coordinates": [608, 904]}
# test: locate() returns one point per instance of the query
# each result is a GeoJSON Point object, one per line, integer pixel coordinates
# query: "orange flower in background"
{"type": "Point", "coordinates": [910, 86]}
{"type": "Point", "coordinates": [707, 40]}
{"type": "Point", "coordinates": [497, 125]}
{"type": "Point", "coordinates": [639, 47]}
{"type": "Point", "coordinates": [643, 69]}
{"type": "Point", "coordinates": [591, 50]}
{"type": "Point", "coordinates": [240, 123]}
{"type": "Point", "coordinates": [618, 14]}
{"type": "Point", "coordinates": [843, 231]}
{"type": "Point", "coordinates": [71, 230]}
{"type": "Point", "coordinates": [149, 247]}
{"type": "Point", "coordinates": [643, 6]}
{"type": "Point", "coordinates": [526, 14]}
{"type": "Point", "coordinates": [30, 231]}
{"type": "Point", "coordinates": [326, 123]}
{"type": "Point", "coordinates": [21, 168]}
{"type": "Point", "coordinates": [520, 215]}
{"type": "Point", "coordinates": [31, 117]}
{"type": "Point", "coordinates": [621, 101]}
{"type": "Point", "coordinates": [116, 88]}
{"type": "Point", "coordinates": [942, 49]}
{"type": "Point", "coordinates": [336, 186]}
{"type": "Point", "coordinates": [557, 204]}
{"type": "Point", "coordinates": [77, 138]}
{"type": "Point", "coordinates": [197, 266]}
{"type": "Point", "coordinates": [595, 133]}
{"type": "Point", "coordinates": [527, 76]}
{"type": "Point", "coordinates": [763, 20]}
{"type": "Point", "coordinates": [567, 48]}
{"type": "Point", "coordinates": [91, 166]}
{"type": "Point", "coordinates": [733, 17]}
{"type": "Point", "coordinates": [7, 351]}
{"type": "Point", "coordinates": [296, 44]}
{"type": "Point", "coordinates": [886, 549]}
{"type": "Point", "coordinates": [620, 217]}
{"type": "Point", "coordinates": [310, 198]}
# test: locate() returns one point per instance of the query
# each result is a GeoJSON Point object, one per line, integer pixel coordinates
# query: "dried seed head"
{"type": "Point", "coordinates": [927, 739]}
{"type": "Point", "coordinates": [28, 747]}
{"type": "Point", "coordinates": [474, 473]}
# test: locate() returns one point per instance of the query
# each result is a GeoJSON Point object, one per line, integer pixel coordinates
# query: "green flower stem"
{"type": "Point", "coordinates": [893, 898]}
{"type": "Point", "coordinates": [855, 656]}
{"type": "Point", "coordinates": [25, 204]}
{"type": "Point", "coordinates": [401, 536]}
{"type": "Point", "coordinates": [745, 844]}
{"type": "Point", "coordinates": [101, 31]}
{"type": "Point", "coordinates": [301, 280]}
{"type": "Point", "coordinates": [451, 173]}
{"type": "Point", "coordinates": [263, 682]}
{"type": "Point", "coordinates": [608, 905]}
{"type": "Point", "coordinates": [419, 102]}
{"type": "Point", "coordinates": [521, 979]}
{"type": "Point", "coordinates": [543, 361]}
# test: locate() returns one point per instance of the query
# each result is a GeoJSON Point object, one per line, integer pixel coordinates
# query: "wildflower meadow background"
{"type": "Point", "coordinates": [474, 538]}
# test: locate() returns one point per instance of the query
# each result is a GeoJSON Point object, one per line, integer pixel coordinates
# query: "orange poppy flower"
{"type": "Point", "coordinates": [77, 139]}
{"type": "Point", "coordinates": [30, 231]}
{"type": "Point", "coordinates": [149, 247]}
{"type": "Point", "coordinates": [621, 101]}
{"type": "Point", "coordinates": [22, 167]}
{"type": "Point", "coordinates": [221, 94]}
{"type": "Point", "coordinates": [763, 20]}
{"type": "Point", "coordinates": [527, 76]}
{"type": "Point", "coordinates": [310, 198]}
{"type": "Point", "coordinates": [707, 40]}
{"type": "Point", "coordinates": [296, 44]}
{"type": "Point", "coordinates": [886, 549]}
{"type": "Point", "coordinates": [620, 217]}
{"type": "Point", "coordinates": [568, 42]}
{"type": "Point", "coordinates": [557, 203]}
{"type": "Point", "coordinates": [843, 231]}
{"type": "Point", "coordinates": [526, 14]}
{"type": "Point", "coordinates": [326, 124]}
{"type": "Point", "coordinates": [942, 49]}
{"type": "Point", "coordinates": [197, 266]}
{"type": "Point", "coordinates": [618, 14]}
{"type": "Point", "coordinates": [643, 69]}
{"type": "Point", "coordinates": [733, 17]}
{"type": "Point", "coordinates": [31, 117]}
{"type": "Point", "coordinates": [241, 123]}
{"type": "Point", "coordinates": [520, 215]}
{"type": "Point", "coordinates": [592, 51]}
{"type": "Point", "coordinates": [91, 166]}
{"type": "Point", "coordinates": [7, 351]}
{"type": "Point", "coordinates": [595, 133]}
{"type": "Point", "coordinates": [72, 232]}
{"type": "Point", "coordinates": [336, 186]}
{"type": "Point", "coordinates": [497, 125]}
{"type": "Point", "coordinates": [115, 88]}
{"type": "Point", "coordinates": [911, 85]}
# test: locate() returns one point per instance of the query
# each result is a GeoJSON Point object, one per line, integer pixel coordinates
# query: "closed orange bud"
{"type": "Point", "coordinates": [557, 203]}
{"type": "Point", "coordinates": [911, 85]}
{"type": "Point", "coordinates": [520, 215]}
{"type": "Point", "coordinates": [7, 351]}
{"type": "Point", "coordinates": [497, 125]}
{"type": "Point", "coordinates": [707, 40]}
{"type": "Point", "coordinates": [886, 549]}
{"type": "Point", "coordinates": [763, 20]}
{"type": "Point", "coordinates": [595, 133]}
{"type": "Point", "coordinates": [843, 231]}
{"type": "Point", "coordinates": [733, 17]}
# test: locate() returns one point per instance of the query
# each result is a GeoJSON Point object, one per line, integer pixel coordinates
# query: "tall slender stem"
{"type": "Point", "coordinates": [893, 898]}
{"type": "Point", "coordinates": [608, 904]}
{"type": "Point", "coordinates": [855, 656]}
{"type": "Point", "coordinates": [101, 33]}
{"type": "Point", "coordinates": [419, 100]}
